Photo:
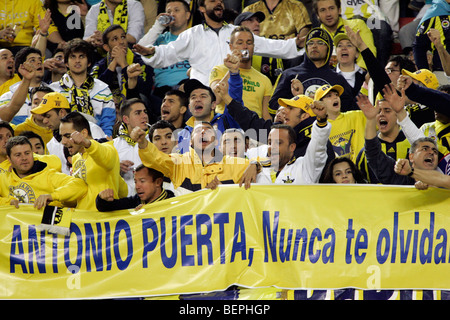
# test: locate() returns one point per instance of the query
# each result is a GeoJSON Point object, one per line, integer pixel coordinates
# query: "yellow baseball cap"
{"type": "Point", "coordinates": [424, 76]}
{"type": "Point", "coordinates": [323, 90]}
{"type": "Point", "coordinates": [51, 101]}
{"type": "Point", "coordinates": [301, 101]}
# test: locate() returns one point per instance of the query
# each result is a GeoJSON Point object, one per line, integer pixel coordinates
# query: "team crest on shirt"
{"type": "Point", "coordinates": [342, 143]}
{"type": "Point", "coordinates": [23, 192]}
{"type": "Point", "coordinates": [288, 180]}
{"type": "Point", "coordinates": [79, 170]}
{"type": "Point", "coordinates": [311, 85]}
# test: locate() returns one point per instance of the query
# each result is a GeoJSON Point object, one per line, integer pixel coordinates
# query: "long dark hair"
{"type": "Point", "coordinates": [328, 175]}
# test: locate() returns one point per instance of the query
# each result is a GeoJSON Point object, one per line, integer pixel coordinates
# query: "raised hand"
{"type": "Point", "coordinates": [367, 107]}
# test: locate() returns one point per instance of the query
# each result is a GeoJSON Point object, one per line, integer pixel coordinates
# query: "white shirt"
{"type": "Point", "coordinates": [204, 49]}
{"type": "Point", "coordinates": [131, 153]}
{"type": "Point", "coordinates": [306, 169]}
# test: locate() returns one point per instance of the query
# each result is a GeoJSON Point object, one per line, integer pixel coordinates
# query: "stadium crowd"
{"type": "Point", "coordinates": [114, 104]}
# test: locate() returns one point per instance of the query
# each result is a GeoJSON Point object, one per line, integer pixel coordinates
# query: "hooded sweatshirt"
{"type": "Point", "coordinates": [312, 77]}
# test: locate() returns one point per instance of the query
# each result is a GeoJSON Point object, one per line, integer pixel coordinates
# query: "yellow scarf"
{"type": "Point", "coordinates": [80, 99]}
{"type": "Point", "coordinates": [120, 16]}
{"type": "Point", "coordinates": [125, 134]}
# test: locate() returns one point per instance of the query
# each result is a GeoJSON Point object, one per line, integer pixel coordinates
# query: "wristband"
{"type": "Point", "coordinates": [44, 34]}
{"type": "Point", "coordinates": [322, 122]}
{"type": "Point", "coordinates": [411, 173]}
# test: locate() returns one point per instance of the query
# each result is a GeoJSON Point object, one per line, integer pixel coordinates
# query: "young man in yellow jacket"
{"type": "Point", "coordinates": [95, 163]}
{"type": "Point", "coordinates": [33, 181]}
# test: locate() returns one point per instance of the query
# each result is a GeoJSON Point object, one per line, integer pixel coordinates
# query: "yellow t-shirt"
{"type": "Point", "coordinates": [23, 15]}
{"type": "Point", "coordinates": [347, 133]}
{"type": "Point", "coordinates": [99, 167]}
{"type": "Point", "coordinates": [256, 86]}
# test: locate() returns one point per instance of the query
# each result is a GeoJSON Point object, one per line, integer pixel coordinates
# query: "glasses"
{"type": "Point", "coordinates": [390, 70]}
{"type": "Point", "coordinates": [319, 43]}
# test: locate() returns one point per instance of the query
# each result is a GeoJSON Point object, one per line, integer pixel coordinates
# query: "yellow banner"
{"type": "Point", "coordinates": [289, 237]}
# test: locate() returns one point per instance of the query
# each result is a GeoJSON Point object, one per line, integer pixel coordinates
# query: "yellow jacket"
{"type": "Point", "coordinates": [24, 15]}
{"type": "Point", "coordinates": [44, 180]}
{"type": "Point", "coordinates": [99, 167]}
{"type": "Point", "coordinates": [188, 171]}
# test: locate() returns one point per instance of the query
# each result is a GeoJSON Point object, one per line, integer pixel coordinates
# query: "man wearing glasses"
{"type": "Point", "coordinates": [313, 72]}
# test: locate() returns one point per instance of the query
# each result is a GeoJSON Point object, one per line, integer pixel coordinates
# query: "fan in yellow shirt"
{"type": "Point", "coordinates": [7, 132]}
{"type": "Point", "coordinates": [257, 88]}
{"type": "Point", "coordinates": [7, 75]}
{"type": "Point", "coordinates": [33, 181]}
{"type": "Point", "coordinates": [347, 128]}
{"type": "Point", "coordinates": [95, 163]}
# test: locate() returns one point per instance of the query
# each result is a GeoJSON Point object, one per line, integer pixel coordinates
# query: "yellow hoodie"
{"type": "Point", "coordinates": [99, 167]}
{"type": "Point", "coordinates": [44, 180]}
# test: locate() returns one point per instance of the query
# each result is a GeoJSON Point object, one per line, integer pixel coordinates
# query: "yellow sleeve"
{"type": "Point", "coordinates": [268, 89]}
{"type": "Point", "coordinates": [103, 154]}
{"type": "Point", "coordinates": [123, 188]}
{"type": "Point", "coordinates": [66, 188]}
{"type": "Point", "coordinates": [217, 73]}
{"type": "Point", "coordinates": [153, 158]}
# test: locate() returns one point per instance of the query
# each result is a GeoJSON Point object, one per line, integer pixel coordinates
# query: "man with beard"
{"type": "Point", "coordinates": [173, 108]}
{"type": "Point", "coordinates": [95, 163]}
{"type": "Point", "coordinates": [257, 88]}
{"type": "Point", "coordinates": [206, 45]}
{"type": "Point", "coordinates": [7, 75]}
{"type": "Point", "coordinates": [29, 59]}
{"type": "Point", "coordinates": [52, 108]}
